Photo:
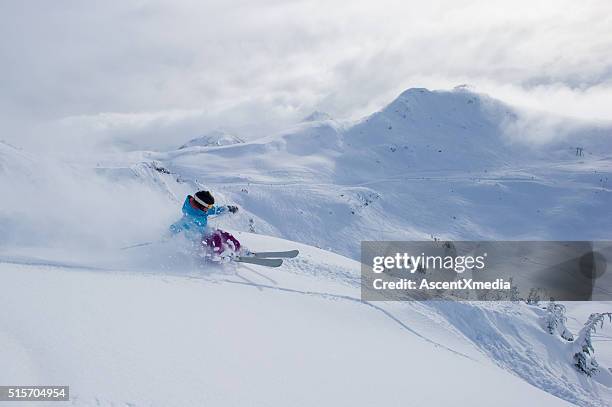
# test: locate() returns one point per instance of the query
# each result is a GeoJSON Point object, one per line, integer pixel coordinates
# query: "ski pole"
{"type": "Point", "coordinates": [136, 245]}
{"type": "Point", "coordinates": [164, 239]}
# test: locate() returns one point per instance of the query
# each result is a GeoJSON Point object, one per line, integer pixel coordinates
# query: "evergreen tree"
{"type": "Point", "coordinates": [584, 352]}
{"type": "Point", "coordinates": [555, 320]}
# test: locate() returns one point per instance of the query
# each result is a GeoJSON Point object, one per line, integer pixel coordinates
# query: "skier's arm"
{"type": "Point", "coordinates": [219, 210]}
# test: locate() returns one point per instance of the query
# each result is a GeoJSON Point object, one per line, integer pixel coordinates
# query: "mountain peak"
{"type": "Point", "coordinates": [433, 102]}
{"type": "Point", "coordinates": [424, 92]}
{"type": "Point", "coordinates": [414, 91]}
{"type": "Point", "coordinates": [214, 138]}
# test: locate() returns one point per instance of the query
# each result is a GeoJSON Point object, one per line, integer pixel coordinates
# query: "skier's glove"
{"type": "Point", "coordinates": [232, 208]}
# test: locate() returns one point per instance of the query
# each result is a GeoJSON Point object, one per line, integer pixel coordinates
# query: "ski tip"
{"type": "Point", "coordinates": [277, 263]}
{"type": "Point", "coordinates": [289, 254]}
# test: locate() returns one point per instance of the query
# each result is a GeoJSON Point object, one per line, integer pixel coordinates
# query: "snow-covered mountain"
{"type": "Point", "coordinates": [444, 164]}
{"type": "Point", "coordinates": [213, 139]}
{"type": "Point", "coordinates": [430, 164]}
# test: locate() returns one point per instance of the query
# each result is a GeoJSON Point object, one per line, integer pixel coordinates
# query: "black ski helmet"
{"type": "Point", "coordinates": [204, 196]}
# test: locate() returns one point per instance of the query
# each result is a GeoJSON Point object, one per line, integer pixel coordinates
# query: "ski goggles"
{"type": "Point", "coordinates": [202, 204]}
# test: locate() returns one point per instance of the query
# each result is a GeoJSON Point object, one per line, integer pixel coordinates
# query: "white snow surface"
{"type": "Point", "coordinates": [154, 325]}
{"type": "Point", "coordinates": [232, 334]}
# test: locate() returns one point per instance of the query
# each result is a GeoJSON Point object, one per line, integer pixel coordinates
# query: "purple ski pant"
{"type": "Point", "coordinates": [218, 239]}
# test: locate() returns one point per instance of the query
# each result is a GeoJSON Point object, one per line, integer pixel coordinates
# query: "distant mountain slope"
{"type": "Point", "coordinates": [441, 164]}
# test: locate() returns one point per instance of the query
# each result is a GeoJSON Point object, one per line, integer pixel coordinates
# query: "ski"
{"type": "Point", "coordinates": [260, 261]}
{"type": "Point", "coordinates": [289, 254]}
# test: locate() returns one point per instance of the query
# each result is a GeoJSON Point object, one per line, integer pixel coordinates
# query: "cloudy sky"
{"type": "Point", "coordinates": [171, 70]}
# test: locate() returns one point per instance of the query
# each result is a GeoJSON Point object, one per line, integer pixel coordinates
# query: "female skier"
{"type": "Point", "coordinates": [194, 224]}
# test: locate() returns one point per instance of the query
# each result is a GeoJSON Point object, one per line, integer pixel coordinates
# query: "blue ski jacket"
{"type": "Point", "coordinates": [194, 221]}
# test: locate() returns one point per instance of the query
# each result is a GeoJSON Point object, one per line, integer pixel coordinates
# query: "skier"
{"type": "Point", "coordinates": [194, 224]}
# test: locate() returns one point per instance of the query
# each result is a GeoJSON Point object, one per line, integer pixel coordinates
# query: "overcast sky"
{"type": "Point", "coordinates": [177, 68]}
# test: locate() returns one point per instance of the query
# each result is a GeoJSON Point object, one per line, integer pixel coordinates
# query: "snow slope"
{"type": "Point", "coordinates": [235, 335]}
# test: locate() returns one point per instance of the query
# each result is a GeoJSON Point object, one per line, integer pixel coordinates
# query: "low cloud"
{"type": "Point", "coordinates": [167, 71]}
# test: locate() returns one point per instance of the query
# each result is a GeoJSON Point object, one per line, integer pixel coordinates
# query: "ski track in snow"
{"type": "Point", "coordinates": [485, 335]}
{"type": "Point", "coordinates": [352, 299]}
{"type": "Point", "coordinates": [245, 281]}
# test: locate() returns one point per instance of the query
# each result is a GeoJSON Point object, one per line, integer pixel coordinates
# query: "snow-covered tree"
{"type": "Point", "coordinates": [534, 297]}
{"type": "Point", "coordinates": [514, 294]}
{"type": "Point", "coordinates": [583, 346]}
{"type": "Point", "coordinates": [555, 319]}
